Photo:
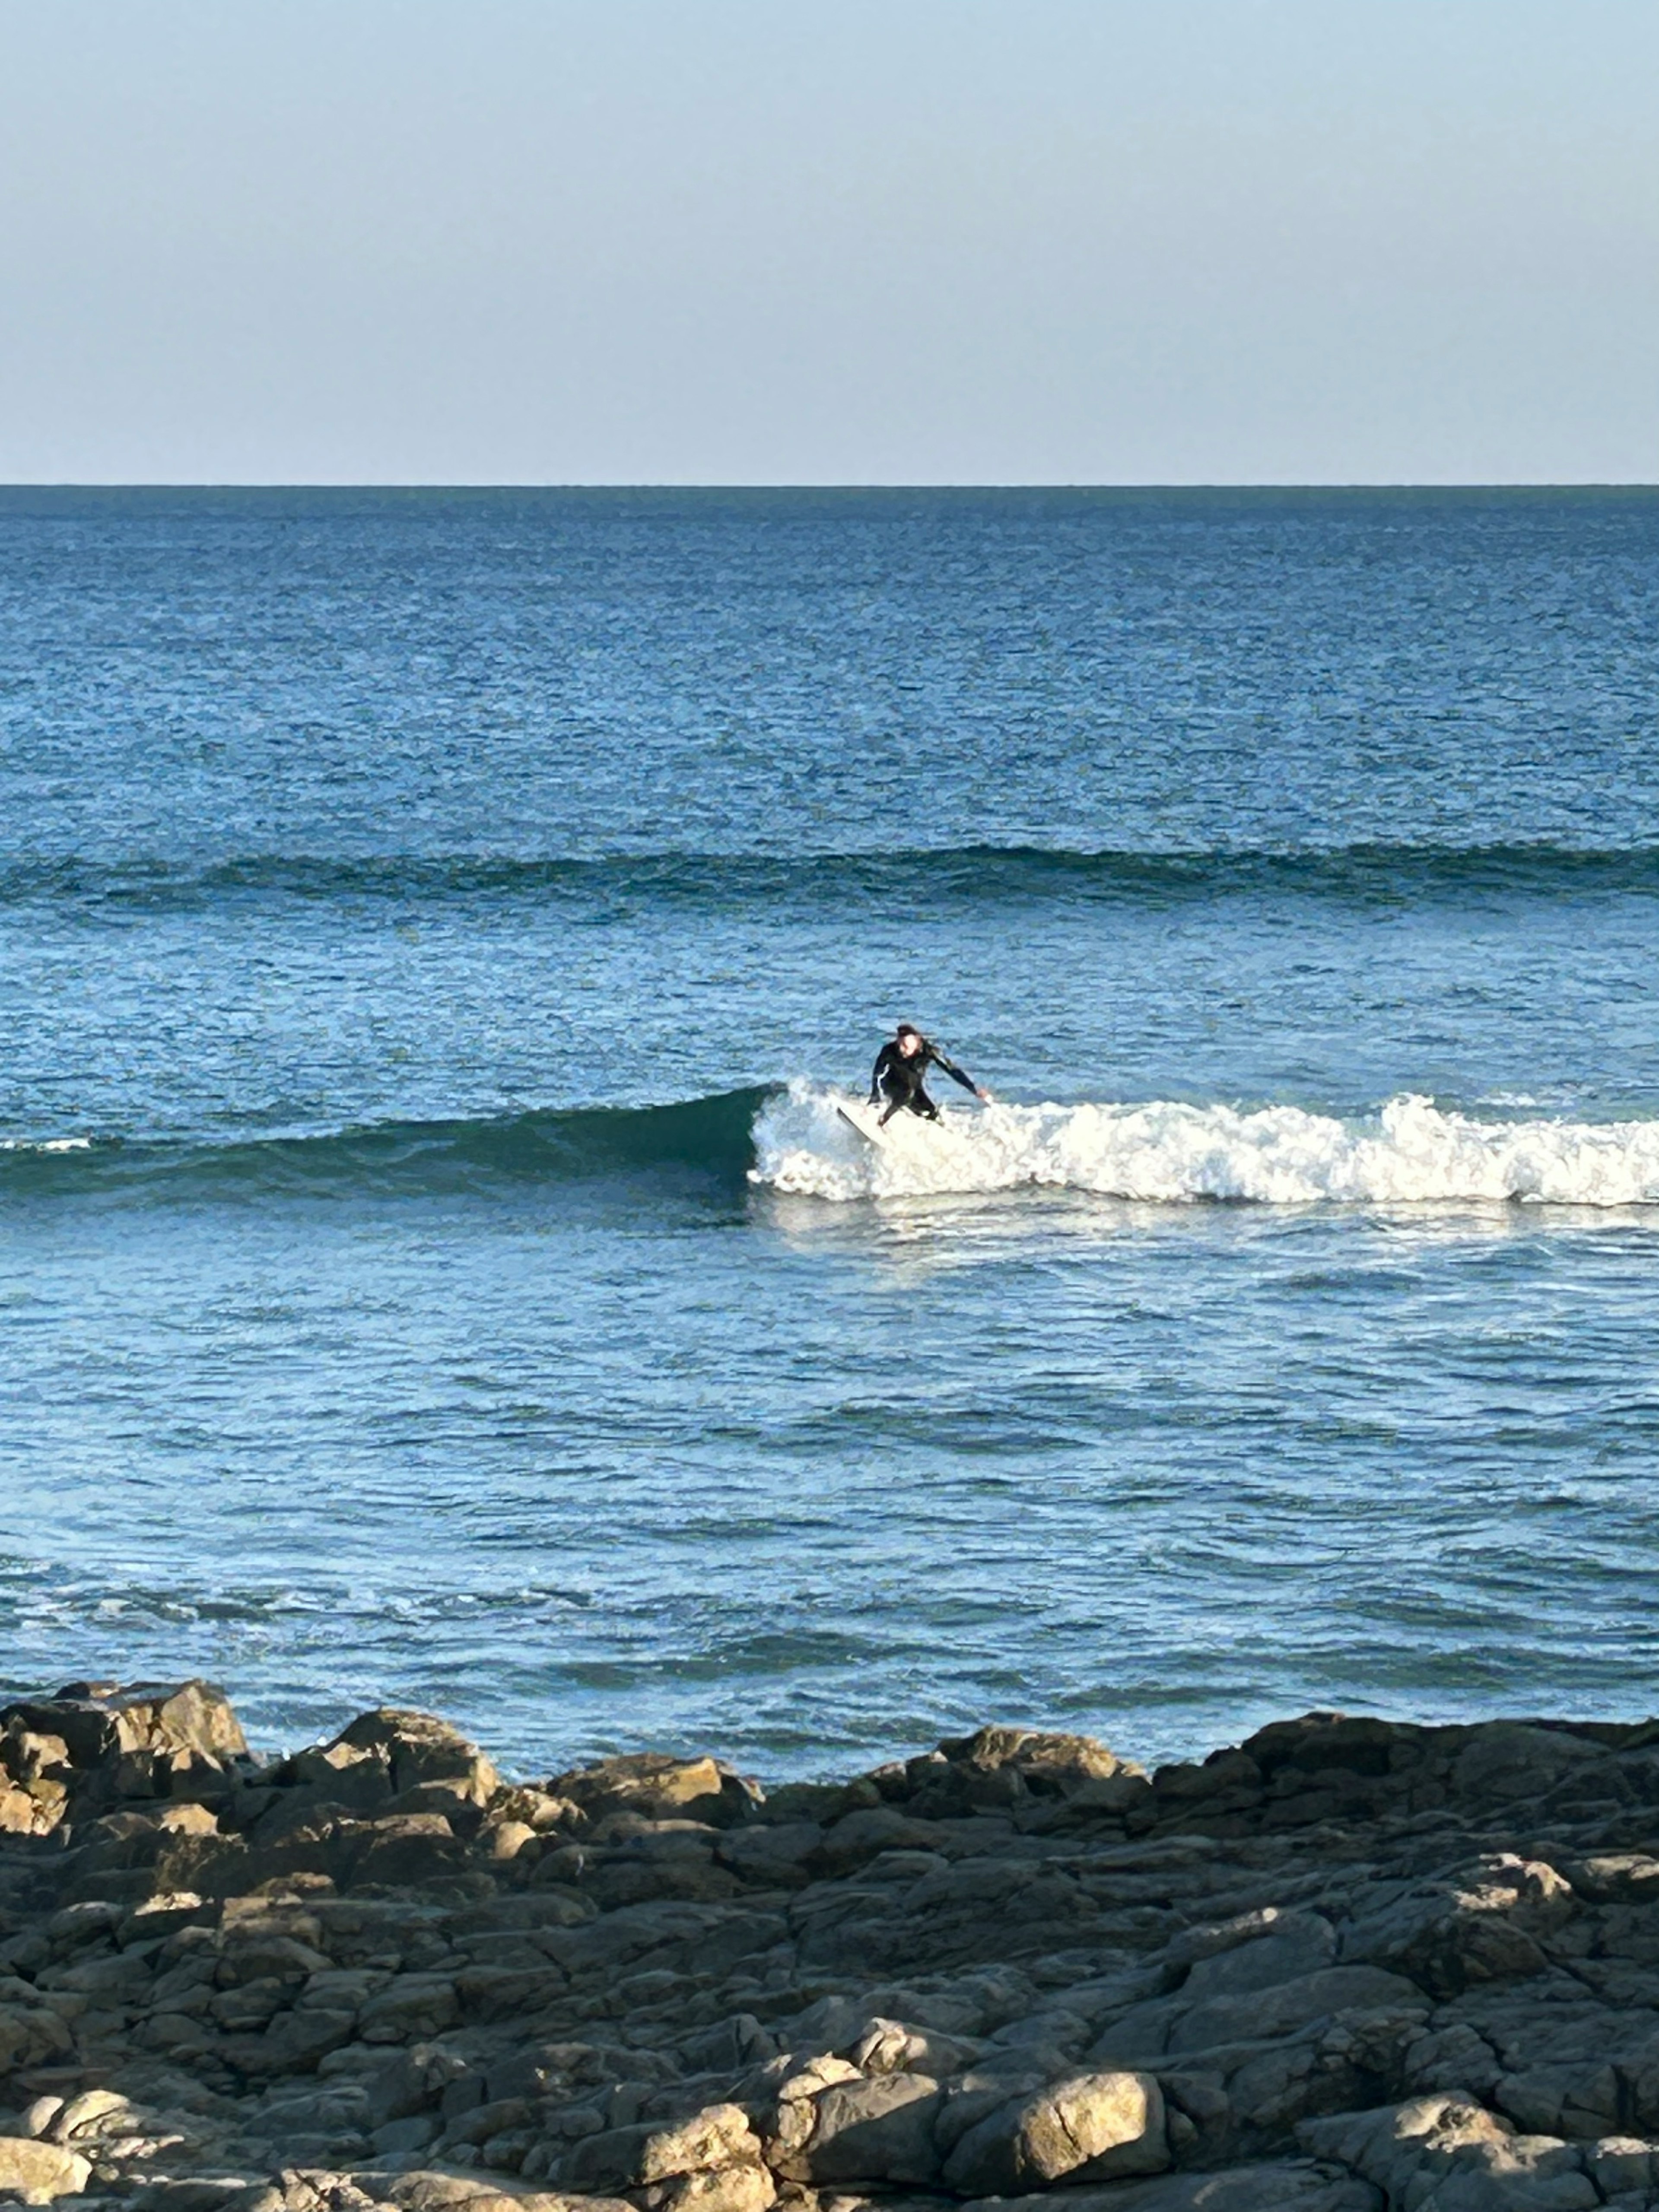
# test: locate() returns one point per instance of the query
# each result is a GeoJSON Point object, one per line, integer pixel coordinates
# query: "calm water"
{"type": "Point", "coordinates": [433, 930]}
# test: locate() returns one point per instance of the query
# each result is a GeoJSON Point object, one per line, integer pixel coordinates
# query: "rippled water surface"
{"type": "Point", "coordinates": [435, 931]}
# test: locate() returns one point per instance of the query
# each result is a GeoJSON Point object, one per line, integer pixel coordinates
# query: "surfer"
{"type": "Point", "coordinates": [901, 1071]}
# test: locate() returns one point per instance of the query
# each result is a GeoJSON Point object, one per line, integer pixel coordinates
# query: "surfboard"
{"type": "Point", "coordinates": [864, 1119]}
{"type": "Point", "coordinates": [906, 1134]}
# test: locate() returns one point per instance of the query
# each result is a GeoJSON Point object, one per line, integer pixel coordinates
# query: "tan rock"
{"type": "Point", "coordinates": [420, 1748]}
{"type": "Point", "coordinates": [747, 2186]}
{"type": "Point", "coordinates": [19, 1813]}
{"type": "Point", "coordinates": [657, 1784]}
{"type": "Point", "coordinates": [40, 2172]}
{"type": "Point", "coordinates": [718, 2136]}
{"type": "Point", "coordinates": [633, 2157]}
{"type": "Point", "coordinates": [98, 1721]}
{"type": "Point", "coordinates": [1089, 2127]}
{"type": "Point", "coordinates": [93, 2113]}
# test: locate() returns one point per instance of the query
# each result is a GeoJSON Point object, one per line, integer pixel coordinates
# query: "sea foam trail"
{"type": "Point", "coordinates": [1174, 1153]}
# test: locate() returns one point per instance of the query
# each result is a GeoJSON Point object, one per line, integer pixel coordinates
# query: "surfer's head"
{"type": "Point", "coordinates": [908, 1037]}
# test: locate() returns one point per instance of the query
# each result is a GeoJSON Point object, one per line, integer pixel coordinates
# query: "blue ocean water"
{"type": "Point", "coordinates": [434, 928]}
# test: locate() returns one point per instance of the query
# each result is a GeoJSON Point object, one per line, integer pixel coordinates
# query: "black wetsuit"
{"type": "Point", "coordinates": [900, 1080]}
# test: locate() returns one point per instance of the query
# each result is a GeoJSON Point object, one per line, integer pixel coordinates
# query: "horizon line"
{"type": "Point", "coordinates": [596, 484]}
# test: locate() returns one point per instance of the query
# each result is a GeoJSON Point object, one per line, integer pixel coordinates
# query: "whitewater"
{"type": "Point", "coordinates": [1171, 1152]}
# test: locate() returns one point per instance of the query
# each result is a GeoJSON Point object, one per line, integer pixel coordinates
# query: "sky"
{"type": "Point", "coordinates": [828, 241]}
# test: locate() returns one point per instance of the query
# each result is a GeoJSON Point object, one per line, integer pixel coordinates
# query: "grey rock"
{"type": "Point", "coordinates": [874, 2130]}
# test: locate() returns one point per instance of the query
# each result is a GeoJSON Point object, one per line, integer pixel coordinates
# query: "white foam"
{"type": "Point", "coordinates": [45, 1144]}
{"type": "Point", "coordinates": [1174, 1153]}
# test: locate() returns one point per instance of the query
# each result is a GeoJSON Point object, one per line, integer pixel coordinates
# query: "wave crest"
{"type": "Point", "coordinates": [1171, 1153]}
{"type": "Point", "coordinates": [705, 1138]}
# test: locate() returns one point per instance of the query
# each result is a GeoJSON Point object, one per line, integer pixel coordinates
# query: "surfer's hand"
{"type": "Point", "coordinates": [984, 1096]}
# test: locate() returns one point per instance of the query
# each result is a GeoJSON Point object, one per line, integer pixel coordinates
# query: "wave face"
{"type": "Point", "coordinates": [1171, 1153]}
{"type": "Point", "coordinates": [1363, 873]}
{"type": "Point", "coordinates": [710, 1140]}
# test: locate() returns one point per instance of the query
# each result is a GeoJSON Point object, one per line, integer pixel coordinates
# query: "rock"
{"type": "Point", "coordinates": [632, 2157]}
{"type": "Point", "coordinates": [90, 2114]}
{"type": "Point", "coordinates": [1412, 2152]}
{"type": "Point", "coordinates": [214, 2193]}
{"type": "Point", "coordinates": [1507, 1760]}
{"type": "Point", "coordinates": [1011, 1967]}
{"type": "Point", "coordinates": [294, 2043]}
{"type": "Point", "coordinates": [96, 1722]}
{"type": "Point", "coordinates": [420, 1751]}
{"type": "Point", "coordinates": [858, 1837]}
{"type": "Point", "coordinates": [747, 2186]}
{"type": "Point", "coordinates": [658, 1785]}
{"type": "Point", "coordinates": [1046, 1764]}
{"type": "Point", "coordinates": [506, 1839]}
{"type": "Point", "coordinates": [1616, 1877]}
{"type": "Point", "coordinates": [424, 2190]}
{"type": "Point", "coordinates": [29, 2034]}
{"type": "Point", "coordinates": [860, 2131]}
{"type": "Point", "coordinates": [773, 1851]}
{"type": "Point", "coordinates": [890, 2047]}
{"type": "Point", "coordinates": [1277, 2187]}
{"type": "Point", "coordinates": [1257, 1951]}
{"type": "Point", "coordinates": [1089, 2127]}
{"type": "Point", "coordinates": [39, 2172]}
{"type": "Point", "coordinates": [414, 2081]}
{"type": "Point", "coordinates": [1481, 1926]}
{"type": "Point", "coordinates": [402, 1850]}
{"type": "Point", "coordinates": [411, 2005]}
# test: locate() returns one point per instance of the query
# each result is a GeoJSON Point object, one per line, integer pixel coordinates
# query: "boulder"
{"type": "Point", "coordinates": [659, 1786]}
{"type": "Point", "coordinates": [421, 1751]}
{"type": "Point", "coordinates": [1447, 2149]}
{"type": "Point", "coordinates": [39, 2172]}
{"type": "Point", "coordinates": [1089, 2127]}
{"type": "Point", "coordinates": [635, 2157]}
{"type": "Point", "coordinates": [747, 2186]}
{"type": "Point", "coordinates": [97, 1722]}
{"type": "Point", "coordinates": [30, 2034]}
{"type": "Point", "coordinates": [1453, 1931]}
{"type": "Point", "coordinates": [880, 2129]}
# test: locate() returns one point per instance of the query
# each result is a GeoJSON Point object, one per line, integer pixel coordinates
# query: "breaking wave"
{"type": "Point", "coordinates": [1167, 1153]}
{"type": "Point", "coordinates": [793, 1140]}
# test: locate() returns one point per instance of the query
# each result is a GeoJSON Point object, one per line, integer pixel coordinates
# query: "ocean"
{"type": "Point", "coordinates": [436, 928]}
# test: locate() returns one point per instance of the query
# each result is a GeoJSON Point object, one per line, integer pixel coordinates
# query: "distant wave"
{"type": "Point", "coordinates": [1168, 1153]}
{"type": "Point", "coordinates": [1367, 874]}
{"type": "Point", "coordinates": [708, 1141]}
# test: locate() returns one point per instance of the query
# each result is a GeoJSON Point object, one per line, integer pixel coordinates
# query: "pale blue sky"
{"type": "Point", "coordinates": [828, 240]}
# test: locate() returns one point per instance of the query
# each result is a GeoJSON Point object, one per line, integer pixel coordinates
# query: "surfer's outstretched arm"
{"type": "Point", "coordinates": [956, 1074]}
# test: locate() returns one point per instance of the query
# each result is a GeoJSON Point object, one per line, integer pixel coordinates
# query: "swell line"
{"type": "Point", "coordinates": [709, 1141]}
{"type": "Point", "coordinates": [1363, 873]}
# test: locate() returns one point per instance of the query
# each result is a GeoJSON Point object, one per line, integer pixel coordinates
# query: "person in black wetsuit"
{"type": "Point", "coordinates": [901, 1072]}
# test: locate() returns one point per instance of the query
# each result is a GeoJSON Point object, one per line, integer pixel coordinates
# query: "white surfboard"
{"type": "Point", "coordinates": [866, 1121]}
{"type": "Point", "coordinates": [906, 1133]}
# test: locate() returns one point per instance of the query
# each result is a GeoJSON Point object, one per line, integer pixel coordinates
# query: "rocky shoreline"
{"type": "Point", "coordinates": [1351, 1966]}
